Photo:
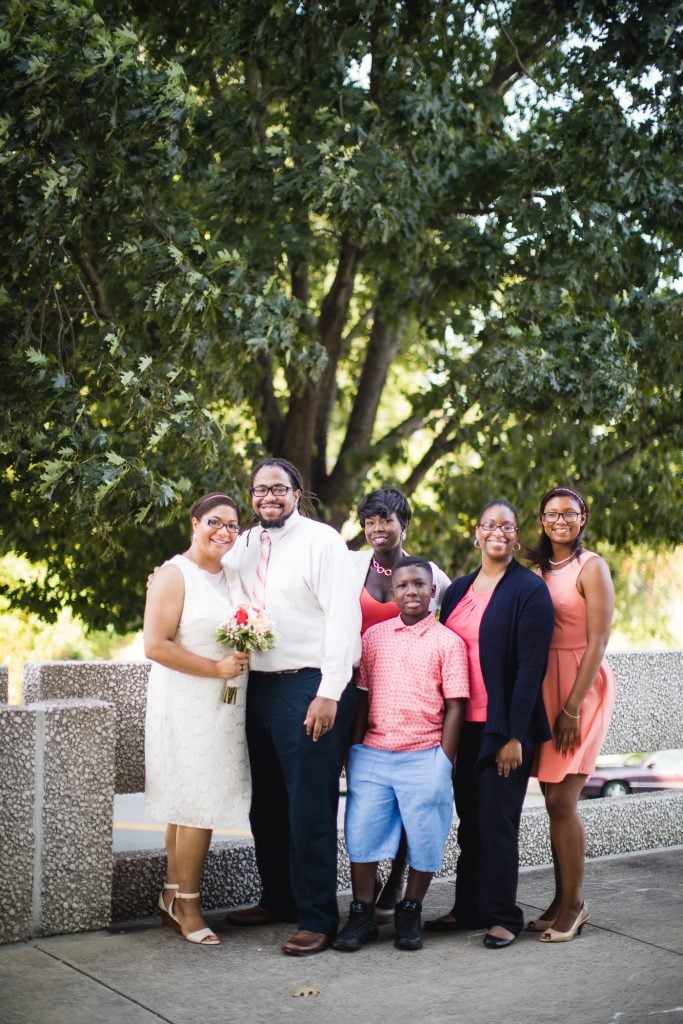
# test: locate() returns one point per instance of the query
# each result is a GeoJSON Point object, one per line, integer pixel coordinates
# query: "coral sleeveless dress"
{"type": "Point", "coordinates": [566, 650]}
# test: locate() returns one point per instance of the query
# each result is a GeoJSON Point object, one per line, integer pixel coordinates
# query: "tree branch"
{"type": "Point", "coordinates": [267, 410]}
{"type": "Point", "coordinates": [398, 433]}
{"type": "Point", "coordinates": [655, 435]}
{"type": "Point", "coordinates": [333, 316]}
{"type": "Point", "coordinates": [99, 297]}
{"type": "Point", "coordinates": [506, 73]}
{"type": "Point", "coordinates": [382, 347]}
{"type": "Point", "coordinates": [252, 82]}
{"type": "Point", "coordinates": [359, 325]}
{"type": "Point", "coordinates": [335, 491]}
{"type": "Point", "coordinates": [441, 445]}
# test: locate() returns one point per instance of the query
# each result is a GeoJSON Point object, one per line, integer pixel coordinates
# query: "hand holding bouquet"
{"type": "Point", "coordinates": [246, 629]}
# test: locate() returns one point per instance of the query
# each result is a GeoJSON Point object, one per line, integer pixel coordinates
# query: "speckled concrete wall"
{"type": "Point", "coordinates": [4, 684]}
{"type": "Point", "coordinates": [56, 802]}
{"type": "Point", "coordinates": [17, 791]}
{"type": "Point", "coordinates": [122, 683]}
{"type": "Point", "coordinates": [230, 878]}
{"type": "Point", "coordinates": [648, 713]}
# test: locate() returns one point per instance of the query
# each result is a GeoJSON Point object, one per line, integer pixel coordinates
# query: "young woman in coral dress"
{"type": "Point", "coordinates": [578, 693]}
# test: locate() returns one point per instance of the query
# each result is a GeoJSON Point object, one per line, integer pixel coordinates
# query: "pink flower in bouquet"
{"type": "Point", "coordinates": [246, 629]}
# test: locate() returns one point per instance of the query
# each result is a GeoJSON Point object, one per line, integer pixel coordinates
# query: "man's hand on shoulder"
{"type": "Point", "coordinates": [320, 717]}
{"type": "Point", "coordinates": [151, 576]}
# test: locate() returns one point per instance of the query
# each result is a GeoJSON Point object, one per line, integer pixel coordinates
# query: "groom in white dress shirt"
{"type": "Point", "coordinates": [300, 704]}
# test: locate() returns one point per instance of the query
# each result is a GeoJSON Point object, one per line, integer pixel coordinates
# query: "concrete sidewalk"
{"type": "Point", "coordinates": [626, 967]}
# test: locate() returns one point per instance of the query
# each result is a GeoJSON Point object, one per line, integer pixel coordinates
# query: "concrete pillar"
{"type": "Point", "coordinates": [122, 684]}
{"type": "Point", "coordinates": [56, 803]}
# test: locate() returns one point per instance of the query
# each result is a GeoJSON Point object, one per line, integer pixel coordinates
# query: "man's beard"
{"type": "Point", "coordinates": [274, 524]}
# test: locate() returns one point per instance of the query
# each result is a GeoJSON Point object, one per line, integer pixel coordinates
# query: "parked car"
{"type": "Point", "coordinates": [637, 773]}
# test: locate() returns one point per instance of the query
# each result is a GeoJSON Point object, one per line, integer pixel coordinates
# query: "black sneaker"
{"type": "Point", "coordinates": [360, 927]}
{"type": "Point", "coordinates": [407, 920]}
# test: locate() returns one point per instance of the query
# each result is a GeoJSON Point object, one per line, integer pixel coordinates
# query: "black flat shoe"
{"type": "Point", "coordinates": [494, 942]}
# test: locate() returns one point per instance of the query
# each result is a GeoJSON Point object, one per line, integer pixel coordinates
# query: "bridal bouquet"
{"type": "Point", "coordinates": [246, 629]}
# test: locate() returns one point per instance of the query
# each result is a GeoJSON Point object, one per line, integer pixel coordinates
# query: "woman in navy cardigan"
{"type": "Point", "coordinates": [504, 614]}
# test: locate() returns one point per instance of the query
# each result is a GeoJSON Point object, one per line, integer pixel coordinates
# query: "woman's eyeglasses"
{"type": "Point", "coordinates": [568, 517]}
{"type": "Point", "coordinates": [490, 527]}
{"type": "Point", "coordinates": [218, 524]}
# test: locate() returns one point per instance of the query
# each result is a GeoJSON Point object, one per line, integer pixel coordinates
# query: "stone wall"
{"type": "Point", "coordinates": [648, 715]}
{"type": "Point", "coordinates": [647, 821]}
{"type": "Point", "coordinates": [122, 684]}
{"type": "Point", "coordinates": [4, 683]}
{"type": "Point", "coordinates": [56, 804]}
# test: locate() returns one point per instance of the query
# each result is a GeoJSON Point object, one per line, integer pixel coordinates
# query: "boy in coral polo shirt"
{"type": "Point", "coordinates": [414, 675]}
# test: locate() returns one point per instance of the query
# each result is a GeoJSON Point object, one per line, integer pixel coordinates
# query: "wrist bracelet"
{"type": "Point", "coordinates": [569, 714]}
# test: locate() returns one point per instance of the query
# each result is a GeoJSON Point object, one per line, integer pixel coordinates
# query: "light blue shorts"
{"type": "Point", "coordinates": [389, 789]}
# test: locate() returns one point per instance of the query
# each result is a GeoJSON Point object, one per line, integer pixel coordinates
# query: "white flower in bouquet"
{"type": "Point", "coordinates": [245, 629]}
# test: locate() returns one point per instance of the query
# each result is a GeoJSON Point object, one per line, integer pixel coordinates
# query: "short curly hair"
{"type": "Point", "coordinates": [385, 502]}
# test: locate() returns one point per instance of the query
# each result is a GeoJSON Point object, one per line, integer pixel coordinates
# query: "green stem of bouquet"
{"type": "Point", "coordinates": [230, 692]}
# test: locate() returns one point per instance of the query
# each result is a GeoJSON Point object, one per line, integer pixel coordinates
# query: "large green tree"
{"type": "Point", "coordinates": [428, 241]}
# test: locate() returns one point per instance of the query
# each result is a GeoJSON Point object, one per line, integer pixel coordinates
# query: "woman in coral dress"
{"type": "Point", "coordinates": [578, 693]}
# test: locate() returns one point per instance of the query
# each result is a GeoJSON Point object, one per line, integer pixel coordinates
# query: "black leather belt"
{"type": "Point", "coordinates": [283, 671]}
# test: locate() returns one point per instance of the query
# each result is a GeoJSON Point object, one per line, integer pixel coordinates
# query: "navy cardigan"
{"type": "Point", "coordinates": [514, 638]}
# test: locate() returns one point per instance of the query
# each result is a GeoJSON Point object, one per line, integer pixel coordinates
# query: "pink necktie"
{"type": "Point", "coordinates": [261, 571]}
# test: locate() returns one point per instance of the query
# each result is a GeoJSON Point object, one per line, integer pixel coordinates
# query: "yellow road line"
{"type": "Point", "coordinates": [140, 826]}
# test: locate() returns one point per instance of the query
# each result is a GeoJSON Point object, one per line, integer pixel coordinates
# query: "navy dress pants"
{"type": "Point", "coordinates": [295, 796]}
{"type": "Point", "coordinates": [489, 808]}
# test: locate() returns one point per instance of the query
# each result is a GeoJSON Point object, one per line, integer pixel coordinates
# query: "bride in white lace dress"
{"type": "Point", "coordinates": [196, 764]}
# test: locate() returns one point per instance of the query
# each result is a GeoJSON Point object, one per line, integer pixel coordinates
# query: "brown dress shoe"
{"type": "Point", "coordinates": [305, 943]}
{"type": "Point", "coordinates": [250, 917]}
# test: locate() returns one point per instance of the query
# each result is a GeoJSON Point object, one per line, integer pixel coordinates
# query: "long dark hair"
{"type": "Point", "coordinates": [542, 553]}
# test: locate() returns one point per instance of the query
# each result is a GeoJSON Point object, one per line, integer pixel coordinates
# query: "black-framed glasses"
{"type": "Point", "coordinates": [217, 524]}
{"type": "Point", "coordinates": [490, 527]}
{"type": "Point", "coordinates": [569, 517]}
{"type": "Point", "coordinates": [278, 490]}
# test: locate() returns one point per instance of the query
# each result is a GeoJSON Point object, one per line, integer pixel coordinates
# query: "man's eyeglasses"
{"type": "Point", "coordinates": [490, 527]}
{"type": "Point", "coordinates": [278, 490]}
{"type": "Point", "coordinates": [552, 517]}
{"type": "Point", "coordinates": [217, 524]}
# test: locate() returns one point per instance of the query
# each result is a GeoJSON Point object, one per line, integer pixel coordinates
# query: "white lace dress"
{"type": "Point", "coordinates": [196, 761]}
